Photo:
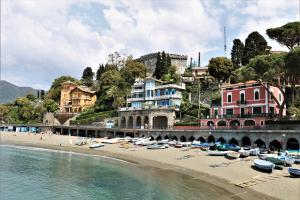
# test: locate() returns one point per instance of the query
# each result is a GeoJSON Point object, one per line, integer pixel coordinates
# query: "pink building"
{"type": "Point", "coordinates": [244, 104]}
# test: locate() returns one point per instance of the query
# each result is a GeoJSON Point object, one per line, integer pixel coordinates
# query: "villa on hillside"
{"type": "Point", "coordinates": [75, 98]}
{"type": "Point", "coordinates": [244, 104]}
{"type": "Point", "coordinates": [151, 104]}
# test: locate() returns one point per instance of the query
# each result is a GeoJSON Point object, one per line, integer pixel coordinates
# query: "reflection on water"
{"type": "Point", "coordinates": [30, 174]}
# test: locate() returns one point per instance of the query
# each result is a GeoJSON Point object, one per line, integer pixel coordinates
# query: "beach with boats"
{"type": "Point", "coordinates": [244, 171]}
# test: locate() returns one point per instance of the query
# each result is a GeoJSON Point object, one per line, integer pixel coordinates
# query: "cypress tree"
{"type": "Point", "coordinates": [99, 72]}
{"type": "Point", "coordinates": [237, 52]}
{"type": "Point", "coordinates": [87, 76]}
{"type": "Point", "coordinates": [157, 73]}
{"type": "Point", "coordinates": [164, 63]}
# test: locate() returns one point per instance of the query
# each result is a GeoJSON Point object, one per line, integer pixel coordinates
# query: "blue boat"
{"type": "Point", "coordinates": [294, 172]}
{"type": "Point", "coordinates": [264, 165]}
{"type": "Point", "coordinates": [228, 147]}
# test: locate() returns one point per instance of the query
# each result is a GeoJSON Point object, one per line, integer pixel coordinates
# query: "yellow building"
{"type": "Point", "coordinates": [76, 98]}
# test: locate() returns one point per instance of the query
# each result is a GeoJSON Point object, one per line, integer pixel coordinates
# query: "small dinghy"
{"type": "Point", "coordinates": [244, 153]}
{"type": "Point", "coordinates": [276, 161]}
{"type": "Point", "coordinates": [157, 146]}
{"type": "Point", "coordinates": [96, 145]}
{"type": "Point", "coordinates": [232, 155]}
{"type": "Point", "coordinates": [264, 165]}
{"type": "Point", "coordinates": [216, 153]}
{"type": "Point", "coordinates": [294, 172]}
{"type": "Point", "coordinates": [254, 152]}
{"type": "Point", "coordinates": [264, 156]}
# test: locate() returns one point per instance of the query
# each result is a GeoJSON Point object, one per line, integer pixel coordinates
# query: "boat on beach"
{"type": "Point", "coordinates": [232, 154]}
{"type": "Point", "coordinates": [216, 153]}
{"type": "Point", "coordinates": [294, 172]}
{"type": "Point", "coordinates": [264, 156]}
{"type": "Point", "coordinates": [228, 147]}
{"type": "Point", "coordinates": [157, 146]}
{"type": "Point", "coordinates": [254, 152]}
{"type": "Point", "coordinates": [244, 153]}
{"type": "Point", "coordinates": [276, 161]}
{"type": "Point", "coordinates": [95, 145]}
{"type": "Point", "coordinates": [264, 165]}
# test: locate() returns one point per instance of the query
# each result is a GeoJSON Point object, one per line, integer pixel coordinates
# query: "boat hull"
{"type": "Point", "coordinates": [264, 165]}
{"type": "Point", "coordinates": [294, 172]}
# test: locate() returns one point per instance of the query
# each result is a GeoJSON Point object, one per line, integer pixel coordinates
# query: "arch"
{"type": "Point", "coordinates": [246, 141]}
{"type": "Point", "coordinates": [160, 122]}
{"type": "Point", "coordinates": [191, 139]}
{"type": "Point", "coordinates": [151, 138]}
{"type": "Point", "coordinates": [138, 123]}
{"type": "Point", "coordinates": [130, 122]}
{"type": "Point", "coordinates": [292, 144]}
{"type": "Point", "coordinates": [158, 138]}
{"type": "Point", "coordinates": [222, 123]}
{"type": "Point", "coordinates": [174, 138]}
{"type": "Point", "coordinates": [146, 122]}
{"type": "Point", "coordinates": [201, 139]}
{"type": "Point", "coordinates": [249, 122]}
{"type": "Point", "coordinates": [234, 123]}
{"type": "Point", "coordinates": [211, 139]}
{"type": "Point", "coordinates": [260, 143]}
{"type": "Point", "coordinates": [233, 141]}
{"type": "Point", "coordinates": [275, 145]}
{"type": "Point", "coordinates": [166, 137]}
{"type": "Point", "coordinates": [183, 139]}
{"type": "Point", "coordinates": [123, 122]}
{"type": "Point", "coordinates": [210, 123]}
{"type": "Point", "coordinates": [221, 140]}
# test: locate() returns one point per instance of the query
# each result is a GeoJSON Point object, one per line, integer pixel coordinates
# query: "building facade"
{"type": "Point", "coordinates": [245, 104]}
{"type": "Point", "coordinates": [149, 60]}
{"type": "Point", "coordinates": [199, 72]}
{"type": "Point", "coordinates": [75, 98]}
{"type": "Point", "coordinates": [151, 104]}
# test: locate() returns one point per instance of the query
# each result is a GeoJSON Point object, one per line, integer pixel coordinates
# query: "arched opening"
{"type": "Point", "coordinates": [158, 138]}
{"type": "Point", "coordinates": [160, 122]}
{"type": "Point", "coordinates": [221, 140]}
{"type": "Point", "coordinates": [123, 122]}
{"type": "Point", "coordinates": [151, 138]}
{"type": "Point", "coordinates": [233, 141]}
{"type": "Point", "coordinates": [183, 139]}
{"type": "Point", "coordinates": [130, 122]}
{"type": "Point", "coordinates": [129, 135]}
{"type": "Point", "coordinates": [166, 137]}
{"type": "Point", "coordinates": [234, 123]}
{"type": "Point", "coordinates": [201, 139]}
{"type": "Point", "coordinates": [210, 123]}
{"type": "Point", "coordinates": [146, 122]}
{"type": "Point", "coordinates": [275, 145]}
{"type": "Point", "coordinates": [260, 143]}
{"type": "Point", "coordinates": [221, 123]}
{"type": "Point", "coordinates": [249, 122]}
{"type": "Point", "coordinates": [174, 138]}
{"type": "Point", "coordinates": [211, 139]}
{"type": "Point", "coordinates": [246, 141]}
{"type": "Point", "coordinates": [292, 144]}
{"type": "Point", "coordinates": [138, 123]}
{"type": "Point", "coordinates": [191, 139]}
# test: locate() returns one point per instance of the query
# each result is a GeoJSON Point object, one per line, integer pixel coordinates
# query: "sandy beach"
{"type": "Point", "coordinates": [220, 172]}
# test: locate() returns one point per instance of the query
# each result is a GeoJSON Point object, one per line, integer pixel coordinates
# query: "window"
{"type": "Point", "coordinates": [158, 93]}
{"type": "Point", "coordinates": [229, 98]}
{"type": "Point", "coordinates": [242, 97]}
{"type": "Point", "coordinates": [262, 123]}
{"type": "Point", "coordinates": [229, 111]}
{"type": "Point", "coordinates": [256, 110]}
{"type": "Point", "coordinates": [216, 112]}
{"type": "Point", "coordinates": [242, 111]}
{"type": "Point", "coordinates": [256, 95]}
{"type": "Point", "coordinates": [272, 110]}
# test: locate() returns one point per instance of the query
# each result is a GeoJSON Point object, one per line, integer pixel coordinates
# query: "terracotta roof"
{"type": "Point", "coordinates": [68, 82]}
{"type": "Point", "coordinates": [85, 89]}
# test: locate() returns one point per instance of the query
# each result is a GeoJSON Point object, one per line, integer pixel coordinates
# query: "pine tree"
{"type": "Point", "coordinates": [255, 44]}
{"type": "Point", "coordinates": [42, 94]}
{"type": "Point", "coordinates": [237, 53]}
{"type": "Point", "coordinates": [87, 76]}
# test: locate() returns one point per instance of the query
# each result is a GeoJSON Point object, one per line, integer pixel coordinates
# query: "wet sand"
{"type": "Point", "coordinates": [219, 173]}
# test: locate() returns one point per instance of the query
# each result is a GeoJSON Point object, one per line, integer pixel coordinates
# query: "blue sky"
{"type": "Point", "coordinates": [41, 40]}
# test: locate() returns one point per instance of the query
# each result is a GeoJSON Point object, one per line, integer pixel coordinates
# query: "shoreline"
{"type": "Point", "coordinates": [219, 183]}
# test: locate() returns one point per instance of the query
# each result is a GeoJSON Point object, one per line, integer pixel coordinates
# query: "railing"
{"type": "Point", "coordinates": [148, 107]}
{"type": "Point", "coordinates": [241, 102]}
{"type": "Point", "coordinates": [135, 99]}
{"type": "Point", "coordinates": [270, 115]}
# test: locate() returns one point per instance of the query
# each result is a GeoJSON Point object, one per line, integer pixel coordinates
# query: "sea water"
{"type": "Point", "coordinates": [37, 174]}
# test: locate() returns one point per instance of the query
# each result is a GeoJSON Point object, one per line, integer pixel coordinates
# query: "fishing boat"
{"type": "Point", "coordinates": [276, 161]}
{"type": "Point", "coordinates": [216, 153]}
{"type": "Point", "coordinates": [178, 145]}
{"type": "Point", "coordinates": [294, 172]}
{"type": "Point", "coordinates": [254, 152]}
{"type": "Point", "coordinates": [264, 156]}
{"type": "Point", "coordinates": [289, 160]}
{"type": "Point", "coordinates": [264, 165]}
{"type": "Point", "coordinates": [244, 153]}
{"type": "Point", "coordinates": [228, 147]}
{"type": "Point", "coordinates": [96, 145]}
{"type": "Point", "coordinates": [186, 144]}
{"type": "Point", "coordinates": [232, 155]}
{"type": "Point", "coordinates": [157, 146]}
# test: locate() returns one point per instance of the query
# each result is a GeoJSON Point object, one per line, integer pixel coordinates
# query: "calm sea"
{"type": "Point", "coordinates": [38, 174]}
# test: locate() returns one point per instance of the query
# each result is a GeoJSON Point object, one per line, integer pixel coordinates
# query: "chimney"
{"type": "Point", "coordinates": [199, 59]}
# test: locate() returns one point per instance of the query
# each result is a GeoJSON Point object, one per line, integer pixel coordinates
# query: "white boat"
{"type": "Point", "coordinates": [254, 152]}
{"type": "Point", "coordinates": [264, 165]}
{"type": "Point", "coordinates": [264, 156]}
{"type": "Point", "coordinates": [232, 155]}
{"type": "Point", "coordinates": [96, 145]}
{"type": "Point", "coordinates": [294, 171]}
{"type": "Point", "coordinates": [157, 146]}
{"type": "Point", "coordinates": [289, 160]}
{"type": "Point", "coordinates": [163, 141]}
{"type": "Point", "coordinates": [216, 153]}
{"type": "Point", "coordinates": [111, 141]}
{"type": "Point", "coordinates": [244, 153]}
{"type": "Point", "coordinates": [186, 144]}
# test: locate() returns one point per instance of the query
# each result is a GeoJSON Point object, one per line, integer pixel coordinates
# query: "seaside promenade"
{"type": "Point", "coordinates": [222, 173]}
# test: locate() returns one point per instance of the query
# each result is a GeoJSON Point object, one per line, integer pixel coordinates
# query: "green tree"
{"type": "Point", "coordinates": [255, 44]}
{"type": "Point", "coordinates": [237, 52]}
{"type": "Point", "coordinates": [50, 105]}
{"type": "Point", "coordinates": [99, 72]}
{"type": "Point", "coordinates": [88, 76]}
{"type": "Point", "coordinates": [132, 70]}
{"type": "Point", "coordinates": [158, 67]}
{"type": "Point", "coordinates": [172, 76]}
{"type": "Point", "coordinates": [4, 110]}
{"type": "Point", "coordinates": [294, 112]}
{"type": "Point", "coordinates": [42, 94]}
{"type": "Point", "coordinates": [54, 92]}
{"type": "Point", "coordinates": [31, 97]}
{"type": "Point", "coordinates": [287, 35]}
{"type": "Point", "coordinates": [220, 68]}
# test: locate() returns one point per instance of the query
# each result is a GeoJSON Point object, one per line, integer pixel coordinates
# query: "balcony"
{"type": "Point", "coordinates": [181, 86]}
{"type": "Point", "coordinates": [137, 91]}
{"type": "Point", "coordinates": [241, 102]}
{"type": "Point", "coordinates": [148, 107]}
{"type": "Point", "coordinates": [268, 115]}
{"type": "Point", "coordinates": [135, 99]}
{"type": "Point", "coordinates": [171, 96]}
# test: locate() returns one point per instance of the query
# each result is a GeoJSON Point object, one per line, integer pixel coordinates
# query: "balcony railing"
{"type": "Point", "coordinates": [135, 99]}
{"type": "Point", "coordinates": [270, 115]}
{"type": "Point", "coordinates": [241, 102]}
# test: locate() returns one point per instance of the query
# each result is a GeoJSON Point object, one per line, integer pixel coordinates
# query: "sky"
{"type": "Point", "coordinates": [42, 40]}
